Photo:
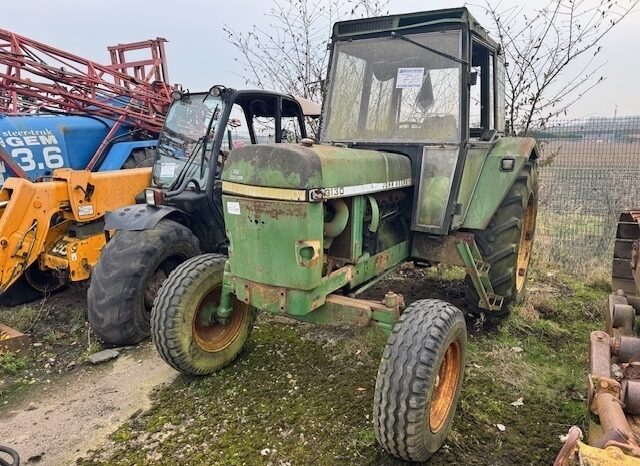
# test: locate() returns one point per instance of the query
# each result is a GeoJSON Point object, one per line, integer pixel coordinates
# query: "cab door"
{"type": "Point", "coordinates": [483, 128]}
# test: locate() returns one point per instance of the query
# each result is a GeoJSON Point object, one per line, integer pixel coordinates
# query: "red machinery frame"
{"type": "Point", "coordinates": [37, 77]}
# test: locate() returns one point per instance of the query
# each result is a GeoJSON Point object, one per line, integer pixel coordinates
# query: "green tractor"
{"type": "Point", "coordinates": [413, 165]}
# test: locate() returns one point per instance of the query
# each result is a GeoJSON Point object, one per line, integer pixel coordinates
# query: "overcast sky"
{"type": "Point", "coordinates": [199, 56]}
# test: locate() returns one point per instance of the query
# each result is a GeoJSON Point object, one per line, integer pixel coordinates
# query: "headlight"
{"type": "Point", "coordinates": [154, 196]}
{"type": "Point", "coordinates": [148, 194]}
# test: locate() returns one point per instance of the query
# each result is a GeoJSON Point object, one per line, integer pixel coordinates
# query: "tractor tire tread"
{"type": "Point", "coordinates": [499, 242]}
{"type": "Point", "coordinates": [116, 287]}
{"type": "Point", "coordinates": [163, 324]}
{"type": "Point", "coordinates": [405, 375]}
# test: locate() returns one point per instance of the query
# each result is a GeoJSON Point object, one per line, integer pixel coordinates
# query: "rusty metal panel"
{"type": "Point", "coordinates": [437, 250]}
{"type": "Point", "coordinates": [11, 340]}
{"type": "Point", "coordinates": [275, 243]}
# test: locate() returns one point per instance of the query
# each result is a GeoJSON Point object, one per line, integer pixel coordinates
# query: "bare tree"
{"type": "Point", "coordinates": [552, 54]}
{"type": "Point", "coordinates": [290, 55]}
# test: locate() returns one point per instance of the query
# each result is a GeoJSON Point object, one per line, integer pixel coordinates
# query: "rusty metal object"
{"type": "Point", "coordinates": [11, 340]}
{"type": "Point", "coordinates": [569, 448]}
{"type": "Point", "coordinates": [626, 349]}
{"type": "Point", "coordinates": [631, 396]}
{"type": "Point", "coordinates": [440, 250]}
{"type": "Point", "coordinates": [599, 354]}
{"type": "Point", "coordinates": [625, 254]}
{"type": "Point", "coordinates": [623, 317]}
{"type": "Point", "coordinates": [631, 370]}
{"type": "Point", "coordinates": [605, 397]}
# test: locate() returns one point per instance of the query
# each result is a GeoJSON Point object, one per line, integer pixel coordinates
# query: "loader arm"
{"type": "Point", "coordinates": [36, 217]}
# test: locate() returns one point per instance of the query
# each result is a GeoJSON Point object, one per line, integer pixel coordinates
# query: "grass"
{"type": "Point", "coordinates": [59, 335]}
{"type": "Point", "coordinates": [12, 364]}
{"type": "Point", "coordinates": [301, 395]}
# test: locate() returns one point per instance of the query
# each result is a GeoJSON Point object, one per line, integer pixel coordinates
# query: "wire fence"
{"type": "Point", "coordinates": [589, 173]}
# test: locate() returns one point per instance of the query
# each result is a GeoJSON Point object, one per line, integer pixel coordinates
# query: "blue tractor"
{"type": "Point", "coordinates": [38, 144]}
{"type": "Point", "coordinates": [58, 110]}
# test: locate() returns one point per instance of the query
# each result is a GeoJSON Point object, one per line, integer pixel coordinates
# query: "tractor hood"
{"type": "Point", "coordinates": [306, 167]}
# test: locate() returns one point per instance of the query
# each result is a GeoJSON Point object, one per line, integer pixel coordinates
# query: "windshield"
{"type": "Point", "coordinates": [182, 137]}
{"type": "Point", "coordinates": [390, 89]}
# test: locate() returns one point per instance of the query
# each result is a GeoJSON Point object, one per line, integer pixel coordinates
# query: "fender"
{"type": "Point", "coordinates": [136, 217]}
{"type": "Point", "coordinates": [493, 183]}
{"type": "Point", "coordinates": [120, 152]}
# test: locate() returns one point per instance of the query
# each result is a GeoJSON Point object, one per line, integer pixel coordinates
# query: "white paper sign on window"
{"type": "Point", "coordinates": [409, 78]}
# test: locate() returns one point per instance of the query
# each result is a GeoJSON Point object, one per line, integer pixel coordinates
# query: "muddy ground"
{"type": "Point", "coordinates": [298, 394]}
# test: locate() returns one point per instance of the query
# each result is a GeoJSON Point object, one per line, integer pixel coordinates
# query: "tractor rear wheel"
{"type": "Point", "coordinates": [182, 339]}
{"type": "Point", "coordinates": [124, 283]}
{"type": "Point", "coordinates": [507, 241]}
{"type": "Point", "coordinates": [139, 158]}
{"type": "Point", "coordinates": [419, 380]}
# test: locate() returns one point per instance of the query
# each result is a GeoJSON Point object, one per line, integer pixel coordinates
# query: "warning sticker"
{"type": "Point", "coordinates": [85, 210]}
{"type": "Point", "coordinates": [167, 170]}
{"type": "Point", "coordinates": [233, 208]}
{"type": "Point", "coordinates": [409, 78]}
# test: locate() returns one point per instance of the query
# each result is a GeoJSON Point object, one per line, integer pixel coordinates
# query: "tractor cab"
{"type": "Point", "coordinates": [426, 85]}
{"type": "Point", "coordinates": [201, 128]}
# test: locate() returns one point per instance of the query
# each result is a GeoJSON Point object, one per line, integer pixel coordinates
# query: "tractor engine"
{"type": "Point", "coordinates": [307, 220]}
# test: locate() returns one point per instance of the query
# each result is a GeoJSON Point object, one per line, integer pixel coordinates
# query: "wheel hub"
{"type": "Point", "coordinates": [155, 283]}
{"type": "Point", "coordinates": [210, 334]}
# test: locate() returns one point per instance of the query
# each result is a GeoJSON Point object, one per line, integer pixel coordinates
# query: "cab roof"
{"type": "Point", "coordinates": [411, 23]}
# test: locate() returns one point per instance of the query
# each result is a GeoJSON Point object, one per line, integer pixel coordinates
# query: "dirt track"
{"type": "Point", "coordinates": [83, 408]}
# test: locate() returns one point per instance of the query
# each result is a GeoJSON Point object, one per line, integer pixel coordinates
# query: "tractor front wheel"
{"type": "Point", "coordinates": [126, 279]}
{"type": "Point", "coordinates": [186, 341]}
{"type": "Point", "coordinates": [419, 380]}
{"type": "Point", "coordinates": [507, 241]}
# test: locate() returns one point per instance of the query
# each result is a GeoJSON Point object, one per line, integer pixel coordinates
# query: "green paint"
{"type": "Point", "coordinates": [476, 156]}
{"type": "Point", "coordinates": [357, 208]}
{"type": "Point", "coordinates": [267, 238]}
{"type": "Point", "coordinates": [371, 267]}
{"type": "Point", "coordinates": [493, 184]}
{"type": "Point", "coordinates": [298, 303]}
{"type": "Point", "coordinates": [479, 274]}
{"type": "Point", "coordinates": [294, 166]}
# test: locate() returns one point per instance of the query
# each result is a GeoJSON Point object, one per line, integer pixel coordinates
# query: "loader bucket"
{"type": "Point", "coordinates": [11, 340]}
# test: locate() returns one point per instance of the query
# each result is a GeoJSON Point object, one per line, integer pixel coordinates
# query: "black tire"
{"type": "Point", "coordinates": [426, 352]}
{"type": "Point", "coordinates": [32, 285]}
{"type": "Point", "coordinates": [184, 344]}
{"type": "Point", "coordinates": [20, 292]}
{"type": "Point", "coordinates": [139, 158]}
{"type": "Point", "coordinates": [500, 243]}
{"type": "Point", "coordinates": [125, 281]}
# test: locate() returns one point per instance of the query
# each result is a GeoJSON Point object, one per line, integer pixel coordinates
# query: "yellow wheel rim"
{"type": "Point", "coordinates": [526, 243]}
{"type": "Point", "coordinates": [445, 386]}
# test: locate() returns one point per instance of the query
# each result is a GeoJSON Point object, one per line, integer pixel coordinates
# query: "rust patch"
{"type": "Point", "coordinates": [259, 295]}
{"type": "Point", "coordinates": [382, 262]}
{"type": "Point", "coordinates": [275, 209]}
{"type": "Point", "coordinates": [12, 340]}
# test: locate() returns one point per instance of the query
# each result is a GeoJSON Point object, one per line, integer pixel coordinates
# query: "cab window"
{"type": "Point", "coordinates": [481, 101]}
